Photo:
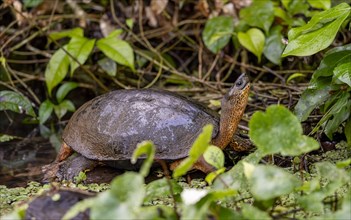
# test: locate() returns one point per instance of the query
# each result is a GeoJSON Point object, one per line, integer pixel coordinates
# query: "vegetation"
{"type": "Point", "coordinates": [165, 45]}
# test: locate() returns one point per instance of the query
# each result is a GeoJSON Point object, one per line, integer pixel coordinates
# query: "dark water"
{"type": "Point", "coordinates": [21, 160]}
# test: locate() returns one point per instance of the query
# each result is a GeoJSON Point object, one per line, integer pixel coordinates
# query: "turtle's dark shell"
{"type": "Point", "coordinates": [109, 127]}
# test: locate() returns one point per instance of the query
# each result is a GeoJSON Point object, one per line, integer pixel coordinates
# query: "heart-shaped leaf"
{"type": "Point", "coordinates": [253, 40]}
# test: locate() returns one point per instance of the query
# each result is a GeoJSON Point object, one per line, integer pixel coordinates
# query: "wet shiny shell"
{"type": "Point", "coordinates": [110, 126]}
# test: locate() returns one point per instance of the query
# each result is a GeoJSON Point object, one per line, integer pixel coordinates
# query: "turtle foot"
{"type": "Point", "coordinates": [73, 166]}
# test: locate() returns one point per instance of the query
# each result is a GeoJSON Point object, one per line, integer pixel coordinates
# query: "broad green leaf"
{"type": "Point", "coordinates": [62, 108]}
{"type": "Point", "coordinates": [259, 14]}
{"type": "Point", "coordinates": [80, 48]}
{"type": "Point", "coordinates": [296, 7]}
{"type": "Point", "coordinates": [15, 102]}
{"type": "Point", "coordinates": [198, 148]}
{"type": "Point", "coordinates": [31, 3]}
{"type": "Point", "coordinates": [196, 202]}
{"type": "Point", "coordinates": [161, 188]}
{"type": "Point", "coordinates": [312, 98]}
{"type": "Point", "coordinates": [253, 213]}
{"type": "Point", "coordinates": [115, 33]}
{"type": "Point", "coordinates": [343, 73]}
{"type": "Point", "coordinates": [347, 131]}
{"type": "Point", "coordinates": [64, 89]}
{"type": "Point", "coordinates": [108, 65]}
{"type": "Point", "coordinates": [128, 188]}
{"type": "Point", "coordinates": [274, 47]}
{"type": "Point", "coordinates": [109, 206]}
{"type": "Point", "coordinates": [57, 69]}
{"type": "Point", "coordinates": [336, 177]}
{"type": "Point", "coordinates": [253, 40]}
{"type": "Point", "coordinates": [318, 33]}
{"type": "Point", "coordinates": [214, 156]}
{"type": "Point", "coordinates": [283, 132]}
{"type": "Point", "coordinates": [156, 212]}
{"type": "Point", "coordinates": [118, 50]}
{"type": "Point", "coordinates": [321, 4]}
{"type": "Point", "coordinates": [45, 111]}
{"type": "Point", "coordinates": [312, 202]}
{"type": "Point", "coordinates": [217, 32]}
{"type": "Point", "coordinates": [345, 211]}
{"type": "Point", "coordinates": [235, 178]}
{"type": "Point", "coordinates": [76, 32]}
{"type": "Point", "coordinates": [6, 137]}
{"type": "Point", "coordinates": [213, 175]}
{"type": "Point", "coordinates": [269, 182]}
{"type": "Point", "coordinates": [332, 59]}
{"type": "Point", "coordinates": [344, 163]}
{"type": "Point", "coordinates": [148, 148]}
{"type": "Point", "coordinates": [340, 112]}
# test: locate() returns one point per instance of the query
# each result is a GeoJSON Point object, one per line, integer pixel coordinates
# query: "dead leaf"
{"type": "Point", "coordinates": [157, 6]}
{"type": "Point", "coordinates": [202, 6]}
{"type": "Point", "coordinates": [151, 17]}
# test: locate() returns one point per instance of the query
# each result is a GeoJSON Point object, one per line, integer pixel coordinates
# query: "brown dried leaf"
{"type": "Point", "coordinates": [202, 6]}
{"type": "Point", "coordinates": [157, 6]}
{"type": "Point", "coordinates": [151, 17]}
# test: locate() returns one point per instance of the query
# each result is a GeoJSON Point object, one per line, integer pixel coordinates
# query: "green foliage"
{"type": "Point", "coordinates": [253, 40]}
{"type": "Point", "coordinates": [78, 50]}
{"type": "Point", "coordinates": [260, 14]}
{"type": "Point", "coordinates": [148, 148]}
{"type": "Point", "coordinates": [198, 148]}
{"type": "Point", "coordinates": [318, 33]}
{"type": "Point", "coordinates": [283, 132]}
{"type": "Point", "coordinates": [16, 102]}
{"type": "Point", "coordinates": [31, 3]}
{"type": "Point", "coordinates": [63, 105]}
{"type": "Point", "coordinates": [330, 90]}
{"type": "Point", "coordinates": [217, 32]}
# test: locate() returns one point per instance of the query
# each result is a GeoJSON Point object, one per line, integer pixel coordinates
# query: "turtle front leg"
{"type": "Point", "coordinates": [240, 144]}
{"type": "Point", "coordinates": [73, 166]}
{"type": "Point", "coordinates": [50, 170]}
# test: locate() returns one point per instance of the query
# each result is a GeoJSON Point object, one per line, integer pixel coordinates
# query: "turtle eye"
{"type": "Point", "coordinates": [240, 84]}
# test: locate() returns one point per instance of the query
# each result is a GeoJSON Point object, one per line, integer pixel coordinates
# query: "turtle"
{"type": "Point", "coordinates": [108, 128]}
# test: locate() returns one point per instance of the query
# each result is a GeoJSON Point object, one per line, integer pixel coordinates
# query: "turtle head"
{"type": "Point", "coordinates": [236, 97]}
{"type": "Point", "coordinates": [233, 107]}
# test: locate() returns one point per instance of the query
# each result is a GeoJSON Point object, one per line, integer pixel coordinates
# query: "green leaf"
{"type": "Point", "coordinates": [214, 156]}
{"type": "Point", "coordinates": [31, 3]}
{"type": "Point", "coordinates": [321, 4]}
{"type": "Point", "coordinates": [235, 178]}
{"type": "Point", "coordinates": [115, 33]}
{"type": "Point", "coordinates": [269, 182]}
{"type": "Point", "coordinates": [343, 73]}
{"type": "Point", "coordinates": [161, 188]}
{"type": "Point", "coordinates": [217, 32]}
{"type": "Point", "coordinates": [253, 213]}
{"type": "Point", "coordinates": [76, 32]}
{"type": "Point", "coordinates": [295, 75]}
{"type": "Point", "coordinates": [148, 148]}
{"type": "Point", "coordinates": [118, 50]}
{"type": "Point", "coordinates": [259, 14]}
{"type": "Point", "coordinates": [253, 40]}
{"type": "Point", "coordinates": [274, 46]}
{"type": "Point", "coordinates": [15, 102]}
{"type": "Point", "coordinates": [128, 188]}
{"type": "Point", "coordinates": [283, 132]}
{"type": "Point", "coordinates": [130, 23]}
{"type": "Point", "coordinates": [311, 98]}
{"type": "Point", "coordinates": [57, 69]}
{"type": "Point", "coordinates": [6, 137]}
{"type": "Point", "coordinates": [318, 33]}
{"type": "Point", "coordinates": [62, 108]}
{"type": "Point", "coordinates": [333, 58]}
{"type": "Point", "coordinates": [340, 112]}
{"type": "Point", "coordinates": [80, 48]}
{"type": "Point", "coordinates": [45, 111]}
{"type": "Point", "coordinates": [196, 202]}
{"type": "Point", "coordinates": [347, 131]}
{"type": "Point", "coordinates": [108, 65]}
{"type": "Point", "coordinates": [64, 89]}
{"type": "Point", "coordinates": [213, 175]}
{"type": "Point", "coordinates": [198, 148]}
